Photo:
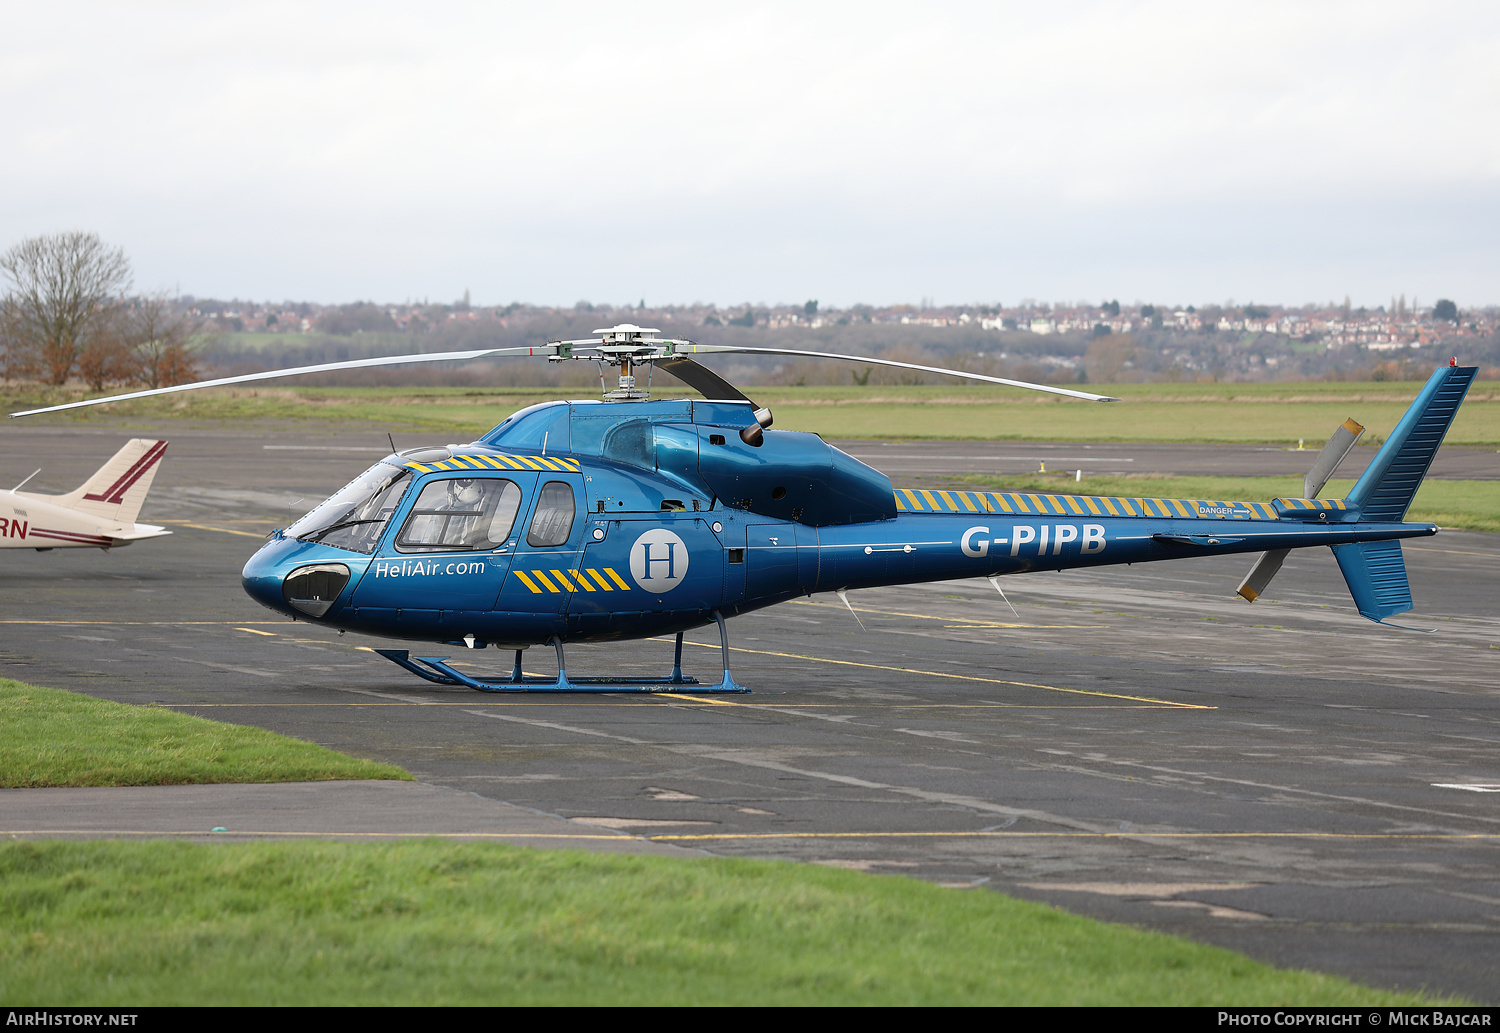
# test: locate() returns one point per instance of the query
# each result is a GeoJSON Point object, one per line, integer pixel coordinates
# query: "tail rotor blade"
{"type": "Point", "coordinates": [1261, 574]}
{"type": "Point", "coordinates": [1339, 446]}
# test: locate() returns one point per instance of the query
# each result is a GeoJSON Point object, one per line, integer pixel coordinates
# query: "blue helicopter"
{"type": "Point", "coordinates": [632, 517]}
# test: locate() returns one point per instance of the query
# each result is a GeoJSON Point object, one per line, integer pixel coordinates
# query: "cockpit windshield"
{"type": "Point", "coordinates": [353, 517]}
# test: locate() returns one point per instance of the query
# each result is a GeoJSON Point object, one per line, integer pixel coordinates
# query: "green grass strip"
{"type": "Point", "coordinates": [56, 738]}
{"type": "Point", "coordinates": [1468, 505]}
{"type": "Point", "coordinates": [433, 923]}
{"type": "Point", "coordinates": [1258, 412]}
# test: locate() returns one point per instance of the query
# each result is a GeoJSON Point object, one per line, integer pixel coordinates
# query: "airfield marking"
{"type": "Point", "coordinates": [205, 527]}
{"type": "Point", "coordinates": [1383, 836]}
{"type": "Point", "coordinates": [930, 617]}
{"type": "Point", "coordinates": [944, 674]}
{"type": "Point", "coordinates": [1453, 552]}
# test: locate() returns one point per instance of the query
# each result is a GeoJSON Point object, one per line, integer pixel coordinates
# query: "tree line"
{"type": "Point", "coordinates": [67, 312]}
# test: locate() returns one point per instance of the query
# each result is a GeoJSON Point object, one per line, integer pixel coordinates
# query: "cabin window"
{"type": "Point", "coordinates": [553, 522]}
{"type": "Point", "coordinates": [461, 513]}
{"type": "Point", "coordinates": [354, 516]}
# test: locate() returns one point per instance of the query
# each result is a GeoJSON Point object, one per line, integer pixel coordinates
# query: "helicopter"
{"type": "Point", "coordinates": [630, 517]}
{"type": "Point", "coordinates": [98, 515]}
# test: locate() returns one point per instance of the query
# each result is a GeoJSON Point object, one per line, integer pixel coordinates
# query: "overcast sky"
{"type": "Point", "coordinates": [1168, 152]}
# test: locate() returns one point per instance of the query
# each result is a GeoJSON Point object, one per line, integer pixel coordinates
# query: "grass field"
{"type": "Point", "coordinates": [1469, 505]}
{"type": "Point", "coordinates": [56, 738]}
{"type": "Point", "coordinates": [1269, 412]}
{"type": "Point", "coordinates": [432, 923]}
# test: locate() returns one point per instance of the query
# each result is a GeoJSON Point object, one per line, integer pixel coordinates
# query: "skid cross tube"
{"type": "Point", "coordinates": [437, 669]}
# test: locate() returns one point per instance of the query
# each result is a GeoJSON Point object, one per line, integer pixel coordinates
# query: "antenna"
{"type": "Point", "coordinates": [391, 440]}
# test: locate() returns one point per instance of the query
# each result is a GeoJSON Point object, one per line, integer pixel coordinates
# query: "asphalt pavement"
{"type": "Point", "coordinates": [1137, 744]}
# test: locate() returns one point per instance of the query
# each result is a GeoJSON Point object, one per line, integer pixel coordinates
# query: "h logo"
{"type": "Point", "coordinates": [658, 560]}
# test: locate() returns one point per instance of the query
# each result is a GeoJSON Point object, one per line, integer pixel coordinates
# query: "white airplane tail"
{"type": "Point", "coordinates": [116, 491]}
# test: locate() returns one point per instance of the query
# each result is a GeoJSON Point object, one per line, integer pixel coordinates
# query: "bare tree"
{"type": "Point", "coordinates": [62, 288]}
{"type": "Point", "coordinates": [161, 340]}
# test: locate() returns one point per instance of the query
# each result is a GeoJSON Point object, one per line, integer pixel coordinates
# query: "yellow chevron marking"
{"type": "Point", "coordinates": [968, 501]}
{"type": "Point", "coordinates": [1074, 506]}
{"type": "Point", "coordinates": [1181, 509]}
{"type": "Point", "coordinates": [952, 506]}
{"type": "Point", "coordinates": [915, 502]}
{"type": "Point", "coordinates": [550, 464]}
{"type": "Point", "coordinates": [900, 502]}
{"type": "Point", "coordinates": [600, 579]}
{"type": "Point", "coordinates": [419, 467]}
{"type": "Point", "coordinates": [1037, 504]}
{"type": "Point", "coordinates": [583, 581]}
{"type": "Point", "coordinates": [1093, 506]}
{"type": "Point", "coordinates": [528, 462]}
{"type": "Point", "coordinates": [543, 579]}
{"type": "Point", "coordinates": [526, 581]}
{"type": "Point", "coordinates": [563, 580]}
{"type": "Point", "coordinates": [616, 578]}
{"type": "Point", "coordinates": [930, 500]}
{"type": "Point", "coordinates": [1001, 501]}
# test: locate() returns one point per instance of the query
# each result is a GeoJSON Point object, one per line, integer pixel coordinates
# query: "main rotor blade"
{"type": "Point", "coordinates": [702, 379]}
{"type": "Point", "coordinates": [296, 371]}
{"type": "Point", "coordinates": [722, 348]}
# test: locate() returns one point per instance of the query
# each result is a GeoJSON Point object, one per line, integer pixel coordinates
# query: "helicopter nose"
{"type": "Point", "coordinates": [261, 579]}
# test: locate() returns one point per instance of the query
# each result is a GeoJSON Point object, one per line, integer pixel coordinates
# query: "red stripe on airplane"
{"type": "Point", "coordinates": [69, 536]}
{"type": "Point", "coordinates": [115, 493]}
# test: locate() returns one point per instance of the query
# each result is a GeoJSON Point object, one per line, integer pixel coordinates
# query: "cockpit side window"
{"type": "Point", "coordinates": [553, 522]}
{"type": "Point", "coordinates": [461, 513]}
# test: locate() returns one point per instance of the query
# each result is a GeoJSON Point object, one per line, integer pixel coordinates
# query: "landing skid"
{"type": "Point", "coordinates": [436, 669]}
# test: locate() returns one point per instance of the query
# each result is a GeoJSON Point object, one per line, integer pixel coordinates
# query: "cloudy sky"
{"type": "Point", "coordinates": [878, 152]}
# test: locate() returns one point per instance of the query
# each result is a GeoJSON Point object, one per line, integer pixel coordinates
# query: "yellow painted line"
{"type": "Point", "coordinates": [550, 464]}
{"type": "Point", "coordinates": [1001, 501]}
{"type": "Point", "coordinates": [543, 579]}
{"type": "Point", "coordinates": [252, 631]}
{"type": "Point", "coordinates": [562, 579]}
{"type": "Point", "coordinates": [1088, 500]}
{"type": "Point", "coordinates": [1018, 502]}
{"type": "Point", "coordinates": [142, 624]}
{"type": "Point", "coordinates": [582, 581]}
{"type": "Point", "coordinates": [528, 462]}
{"type": "Point", "coordinates": [912, 500]}
{"type": "Point", "coordinates": [616, 578]}
{"type": "Point", "coordinates": [221, 530]}
{"type": "Point", "coordinates": [600, 579]}
{"type": "Point", "coordinates": [952, 506]}
{"type": "Point", "coordinates": [958, 677]}
{"type": "Point", "coordinates": [1074, 506]}
{"type": "Point", "coordinates": [968, 501]}
{"type": "Point", "coordinates": [512, 464]}
{"type": "Point", "coordinates": [526, 581]}
{"type": "Point", "coordinates": [900, 503]}
{"type": "Point", "coordinates": [1455, 552]}
{"type": "Point", "coordinates": [1033, 627]}
{"type": "Point", "coordinates": [1181, 509]}
{"type": "Point", "coordinates": [1378, 836]}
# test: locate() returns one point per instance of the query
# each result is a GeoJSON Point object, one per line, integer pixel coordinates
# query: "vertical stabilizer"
{"type": "Point", "coordinates": [1376, 575]}
{"type": "Point", "coordinates": [117, 489]}
{"type": "Point", "coordinates": [1385, 491]}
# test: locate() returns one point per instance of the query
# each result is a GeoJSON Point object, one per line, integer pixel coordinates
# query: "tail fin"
{"type": "Point", "coordinates": [1376, 571]}
{"type": "Point", "coordinates": [1385, 491]}
{"type": "Point", "coordinates": [1376, 575]}
{"type": "Point", "coordinates": [117, 489]}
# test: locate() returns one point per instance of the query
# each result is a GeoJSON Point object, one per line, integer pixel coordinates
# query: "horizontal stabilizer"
{"type": "Point", "coordinates": [1376, 575]}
